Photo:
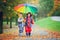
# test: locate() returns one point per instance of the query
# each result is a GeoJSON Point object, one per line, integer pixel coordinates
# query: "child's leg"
{"type": "Point", "coordinates": [29, 33]}
{"type": "Point", "coordinates": [21, 31]}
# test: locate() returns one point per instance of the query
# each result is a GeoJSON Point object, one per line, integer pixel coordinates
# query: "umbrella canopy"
{"type": "Point", "coordinates": [25, 8]}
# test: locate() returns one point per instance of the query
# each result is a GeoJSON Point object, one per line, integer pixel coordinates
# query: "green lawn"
{"type": "Point", "coordinates": [49, 24]}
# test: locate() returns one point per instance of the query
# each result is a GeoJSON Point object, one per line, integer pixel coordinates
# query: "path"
{"type": "Point", "coordinates": [37, 34]}
{"type": "Point", "coordinates": [55, 18]}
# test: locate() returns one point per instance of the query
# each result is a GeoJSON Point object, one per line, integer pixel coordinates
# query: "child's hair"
{"type": "Point", "coordinates": [21, 13]}
{"type": "Point", "coordinates": [29, 13]}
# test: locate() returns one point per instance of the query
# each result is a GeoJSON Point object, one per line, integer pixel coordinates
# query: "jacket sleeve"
{"type": "Point", "coordinates": [32, 21]}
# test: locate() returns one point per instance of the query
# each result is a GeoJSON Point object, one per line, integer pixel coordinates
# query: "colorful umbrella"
{"type": "Point", "coordinates": [25, 8]}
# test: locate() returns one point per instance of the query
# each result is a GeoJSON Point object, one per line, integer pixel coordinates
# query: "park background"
{"type": "Point", "coordinates": [46, 18]}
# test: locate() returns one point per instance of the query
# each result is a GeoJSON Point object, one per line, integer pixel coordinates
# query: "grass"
{"type": "Point", "coordinates": [49, 24]}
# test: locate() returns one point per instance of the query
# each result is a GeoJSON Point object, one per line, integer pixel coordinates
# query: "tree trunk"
{"type": "Point", "coordinates": [7, 20]}
{"type": "Point", "coordinates": [16, 21]}
{"type": "Point", "coordinates": [1, 22]}
{"type": "Point", "coordinates": [16, 18]}
{"type": "Point", "coordinates": [10, 22]}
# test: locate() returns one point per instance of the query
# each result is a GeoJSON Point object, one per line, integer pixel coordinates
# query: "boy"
{"type": "Point", "coordinates": [20, 24]}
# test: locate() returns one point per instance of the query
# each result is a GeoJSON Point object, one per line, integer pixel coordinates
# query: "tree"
{"type": "Point", "coordinates": [56, 12]}
{"type": "Point", "coordinates": [45, 7]}
{"type": "Point", "coordinates": [7, 7]}
{"type": "Point", "coordinates": [1, 21]}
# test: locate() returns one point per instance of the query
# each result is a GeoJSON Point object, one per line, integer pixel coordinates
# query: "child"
{"type": "Point", "coordinates": [28, 24]}
{"type": "Point", "coordinates": [20, 24]}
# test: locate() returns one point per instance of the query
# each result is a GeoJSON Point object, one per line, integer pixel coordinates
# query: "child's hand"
{"type": "Point", "coordinates": [24, 21]}
{"type": "Point", "coordinates": [32, 21]}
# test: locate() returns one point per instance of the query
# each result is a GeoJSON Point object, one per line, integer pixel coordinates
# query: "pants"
{"type": "Point", "coordinates": [20, 31]}
{"type": "Point", "coordinates": [28, 34]}
{"type": "Point", "coordinates": [21, 28]}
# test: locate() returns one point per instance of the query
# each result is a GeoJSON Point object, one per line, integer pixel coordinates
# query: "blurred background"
{"type": "Point", "coordinates": [44, 17]}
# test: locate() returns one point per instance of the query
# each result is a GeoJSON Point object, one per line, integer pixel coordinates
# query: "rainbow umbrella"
{"type": "Point", "coordinates": [25, 8]}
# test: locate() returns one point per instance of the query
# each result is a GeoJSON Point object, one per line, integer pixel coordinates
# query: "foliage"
{"type": "Point", "coordinates": [8, 7]}
{"type": "Point", "coordinates": [56, 12]}
{"type": "Point", "coordinates": [45, 6]}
